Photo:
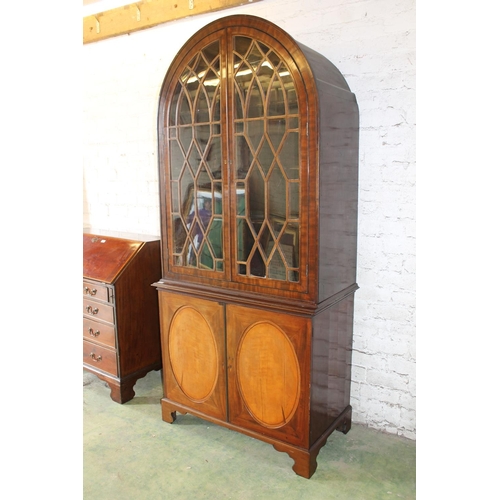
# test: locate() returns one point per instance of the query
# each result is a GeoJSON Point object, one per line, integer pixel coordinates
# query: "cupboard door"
{"type": "Point", "coordinates": [268, 373]}
{"type": "Point", "coordinates": [268, 164]}
{"type": "Point", "coordinates": [193, 129]}
{"type": "Point", "coordinates": [193, 351]}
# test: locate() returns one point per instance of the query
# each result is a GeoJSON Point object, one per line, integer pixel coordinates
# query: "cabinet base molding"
{"type": "Point", "coordinates": [305, 463]}
{"type": "Point", "coordinates": [122, 389]}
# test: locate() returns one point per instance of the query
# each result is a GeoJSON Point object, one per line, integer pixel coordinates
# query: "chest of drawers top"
{"type": "Point", "coordinates": [105, 257]}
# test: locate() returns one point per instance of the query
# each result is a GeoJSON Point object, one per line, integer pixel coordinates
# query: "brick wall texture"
{"type": "Point", "coordinates": [372, 42]}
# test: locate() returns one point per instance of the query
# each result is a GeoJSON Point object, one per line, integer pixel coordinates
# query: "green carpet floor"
{"type": "Point", "coordinates": [129, 453]}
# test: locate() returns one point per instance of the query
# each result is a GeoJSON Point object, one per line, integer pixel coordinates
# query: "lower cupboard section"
{"type": "Point", "coordinates": [246, 366]}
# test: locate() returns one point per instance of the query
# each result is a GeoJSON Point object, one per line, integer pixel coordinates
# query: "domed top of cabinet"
{"type": "Point", "coordinates": [258, 160]}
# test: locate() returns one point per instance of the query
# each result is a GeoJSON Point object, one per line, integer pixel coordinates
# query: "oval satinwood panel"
{"type": "Point", "coordinates": [193, 354]}
{"type": "Point", "coordinates": [268, 375]}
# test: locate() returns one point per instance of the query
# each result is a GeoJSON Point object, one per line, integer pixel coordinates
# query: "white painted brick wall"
{"type": "Point", "coordinates": [372, 42]}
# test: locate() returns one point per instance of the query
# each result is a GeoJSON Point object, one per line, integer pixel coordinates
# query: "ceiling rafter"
{"type": "Point", "coordinates": [146, 14]}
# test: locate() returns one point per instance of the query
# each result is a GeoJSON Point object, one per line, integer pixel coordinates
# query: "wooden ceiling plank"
{"type": "Point", "coordinates": [146, 14]}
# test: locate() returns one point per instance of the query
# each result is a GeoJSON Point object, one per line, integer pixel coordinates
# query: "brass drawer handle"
{"type": "Point", "coordinates": [94, 334]}
{"type": "Point", "coordinates": [88, 291]}
{"type": "Point", "coordinates": [95, 358]}
{"type": "Point", "coordinates": [92, 311]}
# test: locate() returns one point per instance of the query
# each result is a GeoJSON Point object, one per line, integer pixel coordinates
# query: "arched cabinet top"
{"type": "Point", "coordinates": [310, 63]}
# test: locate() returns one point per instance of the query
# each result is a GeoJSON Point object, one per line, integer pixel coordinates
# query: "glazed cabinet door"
{"type": "Point", "coordinates": [233, 124]}
{"type": "Point", "coordinates": [268, 373]}
{"type": "Point", "coordinates": [191, 132]}
{"type": "Point", "coordinates": [193, 352]}
{"type": "Point", "coordinates": [269, 163]}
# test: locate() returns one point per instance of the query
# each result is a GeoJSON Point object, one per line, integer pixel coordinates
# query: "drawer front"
{"type": "Point", "coordinates": [99, 332]}
{"type": "Point", "coordinates": [96, 291]}
{"type": "Point", "coordinates": [100, 357]}
{"type": "Point", "coordinates": [98, 310]}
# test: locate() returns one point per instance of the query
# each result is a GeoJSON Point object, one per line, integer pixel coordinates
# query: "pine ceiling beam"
{"type": "Point", "coordinates": [147, 13]}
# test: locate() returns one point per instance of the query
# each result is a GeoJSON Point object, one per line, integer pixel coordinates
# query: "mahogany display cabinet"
{"type": "Point", "coordinates": [121, 331]}
{"type": "Point", "coordinates": [258, 164]}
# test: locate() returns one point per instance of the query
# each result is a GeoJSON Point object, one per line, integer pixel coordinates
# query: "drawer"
{"type": "Point", "coordinates": [99, 332]}
{"type": "Point", "coordinates": [100, 357]}
{"type": "Point", "coordinates": [97, 291]}
{"type": "Point", "coordinates": [98, 310]}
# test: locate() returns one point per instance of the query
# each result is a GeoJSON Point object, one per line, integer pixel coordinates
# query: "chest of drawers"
{"type": "Point", "coordinates": [121, 334]}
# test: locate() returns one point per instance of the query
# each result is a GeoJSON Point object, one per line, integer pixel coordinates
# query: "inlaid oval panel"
{"type": "Point", "coordinates": [268, 374]}
{"type": "Point", "coordinates": [193, 354]}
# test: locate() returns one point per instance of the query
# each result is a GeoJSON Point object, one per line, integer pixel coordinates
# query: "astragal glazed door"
{"type": "Point", "coordinates": [236, 167]}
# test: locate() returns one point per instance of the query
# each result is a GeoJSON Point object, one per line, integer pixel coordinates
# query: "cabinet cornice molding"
{"type": "Point", "coordinates": [146, 14]}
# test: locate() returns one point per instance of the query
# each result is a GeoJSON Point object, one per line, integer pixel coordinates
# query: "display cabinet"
{"type": "Point", "coordinates": [258, 163]}
{"type": "Point", "coordinates": [121, 331]}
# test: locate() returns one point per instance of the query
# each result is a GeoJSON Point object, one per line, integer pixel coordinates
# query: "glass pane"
{"type": "Point", "coordinates": [241, 45]}
{"type": "Point", "coordinates": [201, 106]}
{"type": "Point", "coordinates": [276, 102]}
{"type": "Point", "coordinates": [211, 51]}
{"type": "Point", "coordinates": [293, 200]}
{"type": "Point", "coordinates": [290, 92]}
{"type": "Point", "coordinates": [184, 116]}
{"type": "Point", "coordinates": [201, 68]}
{"type": "Point", "coordinates": [277, 194]}
{"type": "Point", "coordinates": [277, 269]}
{"type": "Point", "coordinates": [213, 157]}
{"type": "Point", "coordinates": [202, 135]}
{"type": "Point", "coordinates": [179, 233]}
{"type": "Point", "coordinates": [174, 104]}
{"type": "Point", "coordinates": [255, 102]}
{"type": "Point", "coordinates": [217, 201]}
{"type": "Point", "coordinates": [176, 160]}
{"type": "Point", "coordinates": [187, 193]}
{"type": "Point", "coordinates": [289, 244]}
{"type": "Point", "coordinates": [185, 137]}
{"type": "Point", "coordinates": [215, 237]}
{"type": "Point", "coordinates": [255, 131]}
{"type": "Point", "coordinates": [257, 265]}
{"type": "Point", "coordinates": [256, 196]}
{"type": "Point", "coordinates": [204, 195]}
{"type": "Point", "coordinates": [174, 194]}
{"type": "Point", "coordinates": [194, 158]}
{"type": "Point", "coordinates": [240, 199]}
{"type": "Point", "coordinates": [243, 78]}
{"type": "Point", "coordinates": [244, 156]}
{"type": "Point", "coordinates": [216, 106]}
{"type": "Point", "coordinates": [255, 55]}
{"type": "Point", "coordinates": [276, 130]}
{"type": "Point", "coordinates": [266, 241]}
{"type": "Point", "coordinates": [266, 157]}
{"type": "Point", "coordinates": [289, 155]}
{"type": "Point", "coordinates": [246, 240]}
{"type": "Point", "coordinates": [266, 73]}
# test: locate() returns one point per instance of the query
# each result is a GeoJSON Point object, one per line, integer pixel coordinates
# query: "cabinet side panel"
{"type": "Point", "coordinates": [338, 197]}
{"type": "Point", "coordinates": [137, 316]}
{"type": "Point", "coordinates": [331, 365]}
